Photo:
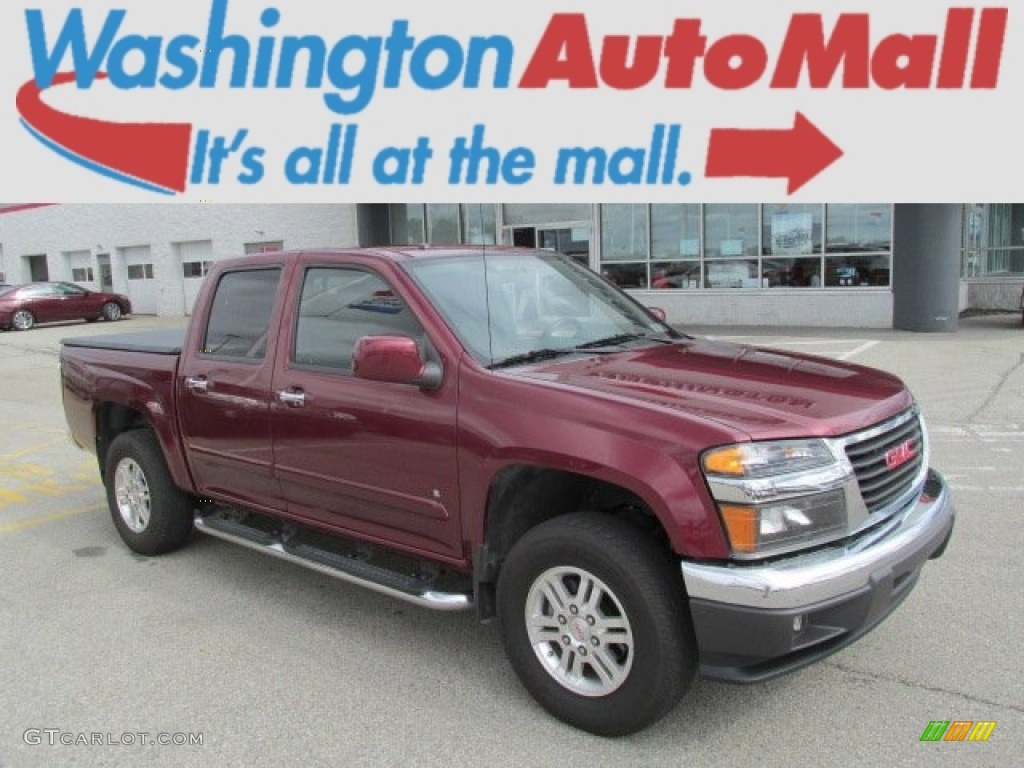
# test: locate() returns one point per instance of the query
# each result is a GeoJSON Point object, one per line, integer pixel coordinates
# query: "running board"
{"type": "Point", "coordinates": [347, 569]}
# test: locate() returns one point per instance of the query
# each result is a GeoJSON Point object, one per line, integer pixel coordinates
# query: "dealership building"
{"type": "Point", "coordinates": [871, 265]}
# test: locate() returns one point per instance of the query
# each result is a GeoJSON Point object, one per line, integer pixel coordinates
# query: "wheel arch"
{"type": "Point", "coordinates": [522, 496]}
{"type": "Point", "coordinates": [114, 419]}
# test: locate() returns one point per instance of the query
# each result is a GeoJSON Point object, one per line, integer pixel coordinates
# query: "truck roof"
{"type": "Point", "coordinates": [385, 253]}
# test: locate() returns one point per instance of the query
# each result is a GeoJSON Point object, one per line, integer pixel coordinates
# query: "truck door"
{"type": "Point", "coordinates": [224, 391]}
{"type": "Point", "coordinates": [370, 458]}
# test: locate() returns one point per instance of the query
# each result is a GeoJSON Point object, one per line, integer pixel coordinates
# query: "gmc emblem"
{"type": "Point", "coordinates": [901, 454]}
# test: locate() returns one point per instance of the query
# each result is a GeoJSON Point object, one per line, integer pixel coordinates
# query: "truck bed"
{"type": "Point", "coordinates": [162, 342]}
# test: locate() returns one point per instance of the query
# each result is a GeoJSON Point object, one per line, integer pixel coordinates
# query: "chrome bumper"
{"type": "Point", "coordinates": [803, 581]}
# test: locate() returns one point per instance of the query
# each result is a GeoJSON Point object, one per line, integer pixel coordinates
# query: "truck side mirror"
{"type": "Point", "coordinates": [394, 359]}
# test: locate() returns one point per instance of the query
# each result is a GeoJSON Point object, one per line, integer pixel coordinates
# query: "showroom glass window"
{"type": "Point", "coordinates": [747, 246]}
{"type": "Point", "coordinates": [675, 246]}
{"type": "Point", "coordinates": [994, 240]}
{"type": "Point", "coordinates": [479, 223]}
{"type": "Point", "coordinates": [731, 246]}
{"type": "Point", "coordinates": [441, 224]}
{"type": "Point", "coordinates": [858, 245]}
{"type": "Point", "coordinates": [791, 246]}
{"type": "Point", "coordinates": [624, 244]}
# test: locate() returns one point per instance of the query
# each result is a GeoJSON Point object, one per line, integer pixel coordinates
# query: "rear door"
{"type": "Point", "coordinates": [370, 458]}
{"type": "Point", "coordinates": [224, 389]}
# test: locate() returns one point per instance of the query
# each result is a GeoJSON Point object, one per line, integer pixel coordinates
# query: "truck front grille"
{"type": "Point", "coordinates": [887, 461]}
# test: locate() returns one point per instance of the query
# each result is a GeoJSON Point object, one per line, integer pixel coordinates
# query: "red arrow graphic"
{"type": "Point", "coordinates": [799, 153]}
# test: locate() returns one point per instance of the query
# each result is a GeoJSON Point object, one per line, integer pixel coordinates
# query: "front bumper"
{"type": "Point", "coordinates": [744, 615]}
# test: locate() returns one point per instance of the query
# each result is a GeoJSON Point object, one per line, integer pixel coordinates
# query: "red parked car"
{"type": "Point", "coordinates": [21, 307]}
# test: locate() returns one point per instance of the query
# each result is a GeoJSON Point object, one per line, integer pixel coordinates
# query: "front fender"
{"type": "Point", "coordinates": [655, 458]}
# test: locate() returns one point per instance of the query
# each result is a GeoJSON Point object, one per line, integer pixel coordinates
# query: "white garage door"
{"type": "Point", "coordinates": [141, 285]}
{"type": "Point", "coordinates": [195, 263]}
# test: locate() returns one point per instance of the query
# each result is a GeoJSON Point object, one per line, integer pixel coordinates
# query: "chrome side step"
{"type": "Point", "coordinates": [347, 569]}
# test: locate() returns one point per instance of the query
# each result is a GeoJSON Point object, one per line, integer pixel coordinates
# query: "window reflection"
{"type": "Point", "coordinates": [751, 246]}
{"type": "Point", "coordinates": [624, 232]}
{"type": "Point", "coordinates": [730, 231]}
{"type": "Point", "coordinates": [859, 227]}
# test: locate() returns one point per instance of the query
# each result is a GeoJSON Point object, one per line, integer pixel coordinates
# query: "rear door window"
{"type": "Point", "coordinates": [239, 323]}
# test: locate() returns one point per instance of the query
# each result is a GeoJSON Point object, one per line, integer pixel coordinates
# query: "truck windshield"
{"type": "Point", "coordinates": [512, 307]}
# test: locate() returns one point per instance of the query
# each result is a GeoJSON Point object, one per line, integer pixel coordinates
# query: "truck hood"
{"type": "Point", "coordinates": [763, 393]}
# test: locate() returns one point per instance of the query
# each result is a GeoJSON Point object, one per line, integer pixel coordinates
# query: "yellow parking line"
{"type": "Point", "coordinates": [32, 449]}
{"type": "Point", "coordinates": [21, 525]}
{"type": "Point", "coordinates": [10, 497]}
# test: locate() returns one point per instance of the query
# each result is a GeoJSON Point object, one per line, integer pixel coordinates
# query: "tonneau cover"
{"type": "Point", "coordinates": [161, 342]}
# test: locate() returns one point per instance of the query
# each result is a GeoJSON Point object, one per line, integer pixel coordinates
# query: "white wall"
{"type": "Point", "coordinates": [861, 308]}
{"type": "Point", "coordinates": [109, 228]}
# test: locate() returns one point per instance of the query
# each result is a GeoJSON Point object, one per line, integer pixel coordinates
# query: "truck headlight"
{"type": "Point", "coordinates": [764, 459]}
{"type": "Point", "coordinates": [776, 497]}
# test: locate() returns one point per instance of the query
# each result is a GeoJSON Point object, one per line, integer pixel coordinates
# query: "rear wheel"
{"type": "Point", "coordinates": [22, 320]}
{"type": "Point", "coordinates": [112, 311]}
{"type": "Point", "coordinates": [594, 621]}
{"type": "Point", "coordinates": [151, 513]}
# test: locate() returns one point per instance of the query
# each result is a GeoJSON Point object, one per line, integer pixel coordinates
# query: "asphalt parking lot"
{"type": "Point", "coordinates": [269, 664]}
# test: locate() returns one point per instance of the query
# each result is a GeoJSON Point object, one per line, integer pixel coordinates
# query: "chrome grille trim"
{"type": "Point", "coordinates": [884, 491]}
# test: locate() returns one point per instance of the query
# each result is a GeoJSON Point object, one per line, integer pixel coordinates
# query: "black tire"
{"type": "Point", "coordinates": [23, 320]}
{"type": "Point", "coordinates": [152, 515]}
{"type": "Point", "coordinates": [112, 311]}
{"type": "Point", "coordinates": [639, 635]}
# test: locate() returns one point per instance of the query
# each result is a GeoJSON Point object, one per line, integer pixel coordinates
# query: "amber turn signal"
{"type": "Point", "coordinates": [741, 524]}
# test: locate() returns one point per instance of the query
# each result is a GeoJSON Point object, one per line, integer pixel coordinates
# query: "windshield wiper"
{"type": "Point", "coordinates": [622, 338]}
{"type": "Point", "coordinates": [597, 347]}
{"type": "Point", "coordinates": [532, 357]}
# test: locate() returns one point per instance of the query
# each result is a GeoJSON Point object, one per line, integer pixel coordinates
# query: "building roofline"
{"type": "Point", "coordinates": [19, 207]}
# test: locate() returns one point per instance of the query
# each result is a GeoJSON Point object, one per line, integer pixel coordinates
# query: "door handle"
{"type": "Point", "coordinates": [292, 398]}
{"type": "Point", "coordinates": [198, 384]}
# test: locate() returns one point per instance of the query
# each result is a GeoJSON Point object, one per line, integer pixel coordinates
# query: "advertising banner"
{"type": "Point", "coordinates": [245, 101]}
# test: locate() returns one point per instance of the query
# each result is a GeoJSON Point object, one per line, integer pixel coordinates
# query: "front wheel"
{"type": "Point", "coordinates": [150, 512]}
{"type": "Point", "coordinates": [594, 621]}
{"type": "Point", "coordinates": [112, 311]}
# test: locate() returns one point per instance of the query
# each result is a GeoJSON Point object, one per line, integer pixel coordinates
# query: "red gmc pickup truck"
{"type": "Point", "coordinates": [502, 430]}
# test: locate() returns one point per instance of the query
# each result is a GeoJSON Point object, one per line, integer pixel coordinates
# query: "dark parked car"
{"type": "Point", "coordinates": [21, 307]}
